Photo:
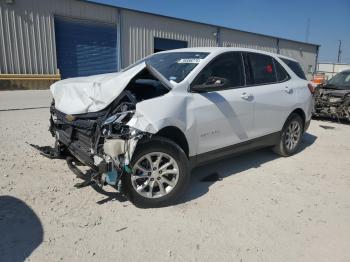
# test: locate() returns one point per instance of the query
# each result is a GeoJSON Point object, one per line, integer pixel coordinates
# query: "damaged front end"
{"type": "Point", "coordinates": [332, 103]}
{"type": "Point", "coordinates": [102, 140]}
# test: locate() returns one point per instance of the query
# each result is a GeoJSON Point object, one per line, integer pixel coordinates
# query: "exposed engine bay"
{"type": "Point", "coordinates": [102, 140]}
{"type": "Point", "coordinates": [333, 103]}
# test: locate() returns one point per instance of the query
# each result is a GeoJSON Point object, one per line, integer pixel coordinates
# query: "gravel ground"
{"type": "Point", "coordinates": [265, 208]}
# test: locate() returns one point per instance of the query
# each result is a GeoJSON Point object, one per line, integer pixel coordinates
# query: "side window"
{"type": "Point", "coordinates": [281, 73]}
{"type": "Point", "coordinates": [261, 68]}
{"type": "Point", "coordinates": [296, 68]}
{"type": "Point", "coordinates": [227, 66]}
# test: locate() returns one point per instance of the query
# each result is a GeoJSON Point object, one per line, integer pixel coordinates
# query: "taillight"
{"type": "Point", "coordinates": [311, 88]}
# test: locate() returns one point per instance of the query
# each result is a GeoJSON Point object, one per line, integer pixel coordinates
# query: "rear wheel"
{"type": "Point", "coordinates": [291, 136]}
{"type": "Point", "coordinates": [160, 174]}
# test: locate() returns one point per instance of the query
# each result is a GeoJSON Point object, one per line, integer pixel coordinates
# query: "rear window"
{"type": "Point", "coordinates": [295, 67]}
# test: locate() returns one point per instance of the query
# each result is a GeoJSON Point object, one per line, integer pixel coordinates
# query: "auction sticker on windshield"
{"type": "Point", "coordinates": [189, 61]}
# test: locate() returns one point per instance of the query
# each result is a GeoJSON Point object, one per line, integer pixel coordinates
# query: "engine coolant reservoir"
{"type": "Point", "coordinates": [114, 147]}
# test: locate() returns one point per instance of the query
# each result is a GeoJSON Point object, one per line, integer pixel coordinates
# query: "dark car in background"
{"type": "Point", "coordinates": [332, 99]}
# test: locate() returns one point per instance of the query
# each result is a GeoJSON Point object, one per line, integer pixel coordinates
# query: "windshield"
{"type": "Point", "coordinates": [340, 80]}
{"type": "Point", "coordinates": [175, 65]}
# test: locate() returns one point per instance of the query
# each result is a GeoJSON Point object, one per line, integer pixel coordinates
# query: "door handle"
{"type": "Point", "coordinates": [246, 96]}
{"type": "Point", "coordinates": [288, 90]}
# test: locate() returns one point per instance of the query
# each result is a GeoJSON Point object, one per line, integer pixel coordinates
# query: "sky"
{"type": "Point", "coordinates": [329, 21]}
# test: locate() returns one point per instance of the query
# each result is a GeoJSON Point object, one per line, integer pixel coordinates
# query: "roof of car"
{"type": "Point", "coordinates": [219, 50]}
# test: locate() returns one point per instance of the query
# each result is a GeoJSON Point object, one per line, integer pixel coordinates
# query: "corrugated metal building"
{"type": "Point", "coordinates": [49, 39]}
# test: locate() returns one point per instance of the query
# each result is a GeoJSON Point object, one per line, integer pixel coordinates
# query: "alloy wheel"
{"type": "Point", "coordinates": [292, 135]}
{"type": "Point", "coordinates": [155, 175]}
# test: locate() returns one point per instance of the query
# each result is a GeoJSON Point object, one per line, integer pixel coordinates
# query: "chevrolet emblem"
{"type": "Point", "coordinates": [70, 118]}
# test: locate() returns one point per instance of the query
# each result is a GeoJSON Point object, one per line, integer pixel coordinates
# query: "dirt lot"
{"type": "Point", "coordinates": [265, 208]}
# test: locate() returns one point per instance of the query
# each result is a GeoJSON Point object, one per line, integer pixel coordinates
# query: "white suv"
{"type": "Point", "coordinates": [144, 128]}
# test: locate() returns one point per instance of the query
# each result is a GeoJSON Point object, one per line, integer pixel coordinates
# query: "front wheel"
{"type": "Point", "coordinates": [291, 136]}
{"type": "Point", "coordinates": [160, 173]}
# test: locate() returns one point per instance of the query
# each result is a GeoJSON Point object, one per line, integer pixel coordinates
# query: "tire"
{"type": "Point", "coordinates": [168, 184]}
{"type": "Point", "coordinates": [288, 146]}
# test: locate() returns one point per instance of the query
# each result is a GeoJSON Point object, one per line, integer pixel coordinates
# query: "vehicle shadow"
{"type": "Point", "coordinates": [221, 169]}
{"type": "Point", "coordinates": [20, 228]}
{"type": "Point", "coordinates": [110, 196]}
{"type": "Point", "coordinates": [216, 171]}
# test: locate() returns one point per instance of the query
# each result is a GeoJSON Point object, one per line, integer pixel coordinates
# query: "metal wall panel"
{"type": "Point", "coordinates": [27, 34]}
{"type": "Point", "coordinates": [306, 54]}
{"type": "Point", "coordinates": [235, 38]}
{"type": "Point", "coordinates": [139, 30]}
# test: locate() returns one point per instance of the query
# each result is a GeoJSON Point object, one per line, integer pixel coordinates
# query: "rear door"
{"type": "Point", "coordinates": [273, 92]}
{"type": "Point", "coordinates": [224, 116]}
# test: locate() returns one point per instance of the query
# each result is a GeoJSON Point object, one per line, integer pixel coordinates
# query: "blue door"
{"type": "Point", "coordinates": [85, 48]}
{"type": "Point", "coordinates": [163, 44]}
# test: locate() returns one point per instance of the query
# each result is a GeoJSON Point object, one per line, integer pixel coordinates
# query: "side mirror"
{"type": "Point", "coordinates": [213, 84]}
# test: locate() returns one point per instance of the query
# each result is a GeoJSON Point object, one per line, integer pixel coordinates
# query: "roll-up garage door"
{"type": "Point", "coordinates": [84, 47]}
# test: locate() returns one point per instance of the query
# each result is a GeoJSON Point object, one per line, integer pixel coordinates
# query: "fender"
{"type": "Point", "coordinates": [148, 118]}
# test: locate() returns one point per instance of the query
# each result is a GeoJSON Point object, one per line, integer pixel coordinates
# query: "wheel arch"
{"type": "Point", "coordinates": [176, 135]}
{"type": "Point", "coordinates": [301, 113]}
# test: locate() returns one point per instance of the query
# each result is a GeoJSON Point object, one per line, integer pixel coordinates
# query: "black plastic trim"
{"type": "Point", "coordinates": [246, 146]}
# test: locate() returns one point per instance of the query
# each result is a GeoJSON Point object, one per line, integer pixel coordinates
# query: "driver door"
{"type": "Point", "coordinates": [224, 115]}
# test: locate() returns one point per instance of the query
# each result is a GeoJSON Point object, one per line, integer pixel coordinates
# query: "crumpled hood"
{"type": "Point", "coordinates": [93, 93]}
